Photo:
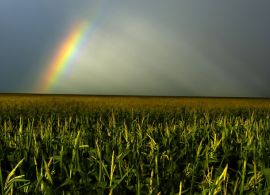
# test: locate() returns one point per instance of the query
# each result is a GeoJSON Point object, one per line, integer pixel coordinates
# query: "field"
{"type": "Point", "coordinates": [134, 145]}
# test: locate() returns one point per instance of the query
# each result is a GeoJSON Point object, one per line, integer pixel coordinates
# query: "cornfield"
{"type": "Point", "coordinates": [134, 145]}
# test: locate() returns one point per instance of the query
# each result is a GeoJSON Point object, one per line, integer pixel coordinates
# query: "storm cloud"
{"type": "Point", "coordinates": [179, 48]}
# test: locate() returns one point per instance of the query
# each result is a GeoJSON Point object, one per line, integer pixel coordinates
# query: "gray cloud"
{"type": "Point", "coordinates": [204, 48]}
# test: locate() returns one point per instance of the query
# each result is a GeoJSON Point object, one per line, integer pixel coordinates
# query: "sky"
{"type": "Point", "coordinates": [127, 47]}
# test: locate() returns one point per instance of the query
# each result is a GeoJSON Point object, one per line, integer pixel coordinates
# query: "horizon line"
{"type": "Point", "coordinates": [129, 96]}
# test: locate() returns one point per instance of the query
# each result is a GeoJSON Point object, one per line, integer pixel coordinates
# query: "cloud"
{"type": "Point", "coordinates": [137, 47]}
{"type": "Point", "coordinates": [133, 56]}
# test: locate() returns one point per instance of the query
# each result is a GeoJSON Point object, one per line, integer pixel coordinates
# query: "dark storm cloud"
{"type": "Point", "coordinates": [28, 30]}
{"type": "Point", "coordinates": [207, 48]}
{"type": "Point", "coordinates": [234, 36]}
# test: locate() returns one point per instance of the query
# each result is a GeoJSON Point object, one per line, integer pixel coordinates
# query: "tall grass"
{"type": "Point", "coordinates": [53, 145]}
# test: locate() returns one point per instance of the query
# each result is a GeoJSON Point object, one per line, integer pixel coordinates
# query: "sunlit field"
{"type": "Point", "coordinates": [134, 145]}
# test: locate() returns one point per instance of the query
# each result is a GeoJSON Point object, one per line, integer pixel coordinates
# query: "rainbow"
{"type": "Point", "coordinates": [66, 52]}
